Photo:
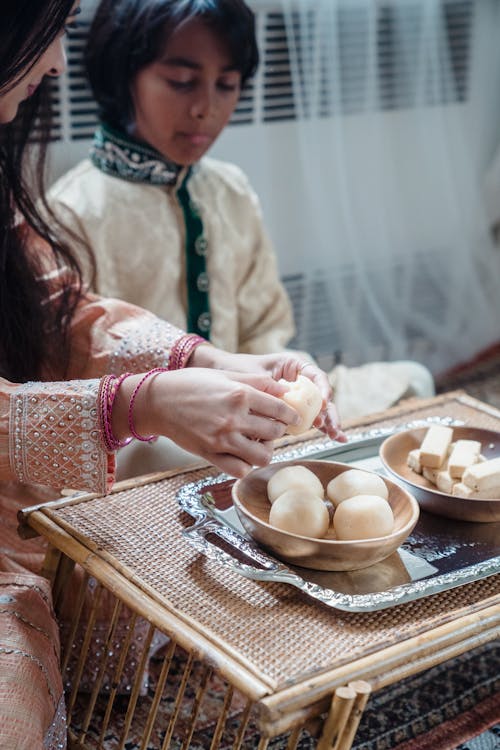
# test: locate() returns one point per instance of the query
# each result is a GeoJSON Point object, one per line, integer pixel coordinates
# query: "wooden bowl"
{"type": "Point", "coordinates": [252, 505]}
{"type": "Point", "coordinates": [394, 452]}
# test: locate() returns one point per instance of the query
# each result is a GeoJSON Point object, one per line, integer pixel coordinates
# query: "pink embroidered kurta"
{"type": "Point", "coordinates": [50, 440]}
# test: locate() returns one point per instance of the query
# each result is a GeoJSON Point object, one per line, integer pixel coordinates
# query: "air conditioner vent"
{"type": "Point", "coordinates": [405, 77]}
{"type": "Point", "coordinates": [82, 107]}
{"type": "Point", "coordinates": [244, 114]}
{"type": "Point", "coordinates": [270, 96]}
{"type": "Point", "coordinates": [277, 86]}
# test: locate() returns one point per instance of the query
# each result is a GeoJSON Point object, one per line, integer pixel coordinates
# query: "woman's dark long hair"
{"type": "Point", "coordinates": [127, 35]}
{"type": "Point", "coordinates": [33, 334]}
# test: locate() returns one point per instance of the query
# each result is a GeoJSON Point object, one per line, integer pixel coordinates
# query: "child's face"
{"type": "Point", "coordinates": [184, 99]}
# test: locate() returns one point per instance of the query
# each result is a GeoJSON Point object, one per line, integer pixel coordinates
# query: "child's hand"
{"type": "Point", "coordinates": [283, 365]}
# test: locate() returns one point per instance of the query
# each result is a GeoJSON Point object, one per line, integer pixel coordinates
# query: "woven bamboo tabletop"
{"type": "Point", "coordinates": [271, 630]}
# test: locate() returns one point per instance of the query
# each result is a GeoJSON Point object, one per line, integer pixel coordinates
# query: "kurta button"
{"type": "Point", "coordinates": [201, 245]}
{"type": "Point", "coordinates": [202, 282]}
{"type": "Point", "coordinates": [204, 321]}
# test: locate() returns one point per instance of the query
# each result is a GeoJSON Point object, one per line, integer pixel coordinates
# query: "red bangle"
{"type": "Point", "coordinates": [108, 390]}
{"type": "Point", "coordinates": [182, 350]}
{"type": "Point", "coordinates": [136, 390]}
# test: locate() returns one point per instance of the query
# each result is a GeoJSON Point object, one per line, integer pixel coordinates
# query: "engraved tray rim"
{"type": "Point", "coordinates": [200, 506]}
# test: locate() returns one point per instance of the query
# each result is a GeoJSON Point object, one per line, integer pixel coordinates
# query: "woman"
{"type": "Point", "coordinates": [67, 400]}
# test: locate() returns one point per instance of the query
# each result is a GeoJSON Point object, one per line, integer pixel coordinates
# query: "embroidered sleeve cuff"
{"type": "Point", "coordinates": [55, 438]}
{"type": "Point", "coordinates": [146, 345]}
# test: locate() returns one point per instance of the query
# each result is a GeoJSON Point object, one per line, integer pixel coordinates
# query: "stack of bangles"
{"type": "Point", "coordinates": [182, 350]}
{"type": "Point", "coordinates": [110, 385]}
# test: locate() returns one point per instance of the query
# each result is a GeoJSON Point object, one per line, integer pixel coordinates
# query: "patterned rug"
{"type": "Point", "coordinates": [480, 377]}
{"type": "Point", "coordinates": [440, 709]}
{"type": "Point", "coordinates": [437, 710]}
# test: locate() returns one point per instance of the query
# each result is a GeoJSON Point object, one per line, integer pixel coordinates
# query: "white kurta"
{"type": "Point", "coordinates": [136, 231]}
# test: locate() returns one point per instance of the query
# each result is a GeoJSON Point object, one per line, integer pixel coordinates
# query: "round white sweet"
{"type": "Point", "coordinates": [363, 517]}
{"type": "Point", "coordinates": [300, 512]}
{"type": "Point", "coordinates": [355, 482]}
{"type": "Point", "coordinates": [303, 396]}
{"type": "Point", "coordinates": [294, 477]}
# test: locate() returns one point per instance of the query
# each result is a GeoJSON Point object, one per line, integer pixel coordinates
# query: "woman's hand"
{"type": "Point", "coordinates": [284, 365]}
{"type": "Point", "coordinates": [230, 419]}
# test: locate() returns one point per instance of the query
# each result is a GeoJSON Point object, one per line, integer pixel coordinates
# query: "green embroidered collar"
{"type": "Point", "coordinates": [120, 155]}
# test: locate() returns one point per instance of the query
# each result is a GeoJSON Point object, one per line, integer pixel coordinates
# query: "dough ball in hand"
{"type": "Point", "coordinates": [294, 477]}
{"type": "Point", "coordinates": [363, 517]}
{"type": "Point", "coordinates": [303, 396]}
{"type": "Point", "coordinates": [355, 482]}
{"type": "Point", "coordinates": [301, 513]}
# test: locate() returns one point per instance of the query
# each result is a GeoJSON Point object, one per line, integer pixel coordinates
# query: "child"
{"type": "Point", "coordinates": [173, 230]}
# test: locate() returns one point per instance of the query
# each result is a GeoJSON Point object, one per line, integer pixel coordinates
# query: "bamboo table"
{"type": "Point", "coordinates": [279, 663]}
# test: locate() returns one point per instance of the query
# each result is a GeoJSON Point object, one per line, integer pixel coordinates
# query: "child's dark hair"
{"type": "Point", "coordinates": [127, 35]}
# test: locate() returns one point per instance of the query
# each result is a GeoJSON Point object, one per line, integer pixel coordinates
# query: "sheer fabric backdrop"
{"type": "Point", "coordinates": [397, 106]}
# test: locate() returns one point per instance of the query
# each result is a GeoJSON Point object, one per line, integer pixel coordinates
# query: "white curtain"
{"type": "Point", "coordinates": [396, 104]}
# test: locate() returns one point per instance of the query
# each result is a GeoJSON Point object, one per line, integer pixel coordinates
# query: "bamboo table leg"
{"type": "Point", "coordinates": [363, 690]}
{"type": "Point", "coordinates": [347, 707]}
{"type": "Point", "coordinates": [58, 568]}
{"type": "Point", "coordinates": [342, 703]}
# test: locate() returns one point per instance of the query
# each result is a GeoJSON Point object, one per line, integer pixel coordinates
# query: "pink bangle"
{"type": "Point", "coordinates": [108, 390]}
{"type": "Point", "coordinates": [182, 350]}
{"type": "Point", "coordinates": [136, 390]}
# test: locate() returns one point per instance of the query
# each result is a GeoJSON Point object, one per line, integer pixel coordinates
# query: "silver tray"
{"type": "Point", "coordinates": [439, 554]}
